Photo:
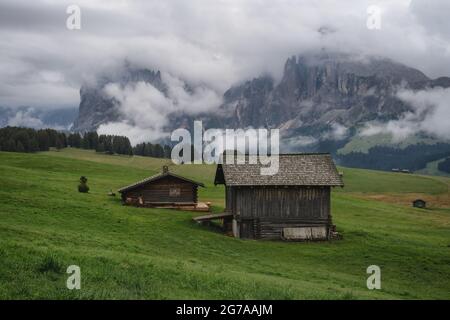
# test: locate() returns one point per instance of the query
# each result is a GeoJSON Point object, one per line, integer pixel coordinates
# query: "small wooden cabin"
{"type": "Point", "coordinates": [293, 204]}
{"type": "Point", "coordinates": [164, 190]}
{"type": "Point", "coordinates": [419, 203]}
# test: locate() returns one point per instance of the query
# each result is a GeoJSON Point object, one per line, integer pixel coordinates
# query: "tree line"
{"type": "Point", "coordinates": [156, 150]}
{"type": "Point", "coordinates": [110, 144]}
{"type": "Point", "coordinates": [17, 139]}
{"type": "Point", "coordinates": [413, 157]}
{"type": "Point", "coordinates": [118, 144]}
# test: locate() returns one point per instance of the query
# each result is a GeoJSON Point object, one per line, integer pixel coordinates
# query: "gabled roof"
{"type": "Point", "coordinates": [307, 169]}
{"type": "Point", "coordinates": [158, 177]}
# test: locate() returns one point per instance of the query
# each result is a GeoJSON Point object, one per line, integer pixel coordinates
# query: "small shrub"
{"type": "Point", "coordinates": [51, 263]}
{"type": "Point", "coordinates": [348, 296]}
{"type": "Point", "coordinates": [83, 187]}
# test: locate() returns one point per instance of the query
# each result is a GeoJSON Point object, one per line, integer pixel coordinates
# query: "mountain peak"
{"type": "Point", "coordinates": [96, 108]}
{"type": "Point", "coordinates": [317, 89]}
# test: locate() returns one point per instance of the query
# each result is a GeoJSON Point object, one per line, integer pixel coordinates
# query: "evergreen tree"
{"type": "Point", "coordinates": [59, 143]}
{"type": "Point", "coordinates": [31, 140]}
{"type": "Point", "coordinates": [92, 138]}
{"type": "Point", "coordinates": [33, 145]}
{"type": "Point", "coordinates": [10, 145]}
{"type": "Point", "coordinates": [22, 136]}
{"type": "Point", "coordinates": [43, 140]}
{"type": "Point", "coordinates": [63, 139]}
{"type": "Point", "coordinates": [74, 140]}
{"type": "Point", "coordinates": [167, 151]}
{"type": "Point", "coordinates": [85, 142]}
{"type": "Point", "coordinates": [19, 147]}
{"type": "Point", "coordinates": [100, 147]}
{"type": "Point", "coordinates": [148, 150]}
{"type": "Point", "coordinates": [52, 134]}
{"type": "Point", "coordinates": [138, 149]}
{"type": "Point", "coordinates": [158, 151]}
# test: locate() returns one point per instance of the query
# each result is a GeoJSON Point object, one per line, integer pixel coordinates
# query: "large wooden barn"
{"type": "Point", "coordinates": [293, 204]}
{"type": "Point", "coordinates": [164, 190]}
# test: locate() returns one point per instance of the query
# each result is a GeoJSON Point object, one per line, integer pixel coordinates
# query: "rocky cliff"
{"type": "Point", "coordinates": [97, 108]}
{"type": "Point", "coordinates": [318, 90]}
{"type": "Point", "coordinates": [315, 92]}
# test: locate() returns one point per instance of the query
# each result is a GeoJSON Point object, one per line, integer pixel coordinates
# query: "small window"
{"type": "Point", "coordinates": [174, 192]}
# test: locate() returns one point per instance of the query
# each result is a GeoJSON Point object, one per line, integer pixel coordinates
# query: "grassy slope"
{"type": "Point", "coordinates": [124, 252]}
{"type": "Point", "coordinates": [364, 143]}
{"type": "Point", "coordinates": [432, 169]}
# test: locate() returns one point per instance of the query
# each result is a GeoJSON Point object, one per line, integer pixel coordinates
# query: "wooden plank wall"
{"type": "Point", "coordinates": [228, 199]}
{"type": "Point", "coordinates": [282, 203]}
{"type": "Point", "coordinates": [158, 191]}
{"type": "Point", "coordinates": [264, 212]}
{"type": "Point", "coordinates": [273, 229]}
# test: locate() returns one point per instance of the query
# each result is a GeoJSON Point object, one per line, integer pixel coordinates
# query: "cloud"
{"type": "Point", "coordinates": [144, 110]}
{"type": "Point", "coordinates": [337, 132]}
{"type": "Point", "coordinates": [432, 110]}
{"type": "Point", "coordinates": [212, 44]}
{"type": "Point", "coordinates": [36, 118]}
{"type": "Point", "coordinates": [25, 119]}
{"type": "Point", "coordinates": [297, 143]}
{"type": "Point", "coordinates": [399, 129]}
{"type": "Point", "coordinates": [191, 100]}
{"type": "Point", "coordinates": [431, 114]}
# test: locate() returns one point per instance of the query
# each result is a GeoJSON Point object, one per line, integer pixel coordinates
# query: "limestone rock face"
{"type": "Point", "coordinates": [97, 108]}
{"type": "Point", "coordinates": [315, 91]}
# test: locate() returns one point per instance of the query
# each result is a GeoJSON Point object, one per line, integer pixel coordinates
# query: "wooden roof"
{"type": "Point", "coordinates": [308, 169]}
{"type": "Point", "coordinates": [158, 177]}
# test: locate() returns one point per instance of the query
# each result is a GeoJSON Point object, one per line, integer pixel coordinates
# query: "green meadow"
{"type": "Point", "coordinates": [138, 253]}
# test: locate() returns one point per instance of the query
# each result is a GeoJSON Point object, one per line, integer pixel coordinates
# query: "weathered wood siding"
{"type": "Point", "coordinates": [273, 228]}
{"type": "Point", "coordinates": [264, 212]}
{"type": "Point", "coordinates": [228, 199]}
{"type": "Point", "coordinates": [168, 189]}
{"type": "Point", "coordinates": [285, 203]}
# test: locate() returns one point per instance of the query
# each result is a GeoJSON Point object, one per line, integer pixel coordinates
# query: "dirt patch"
{"type": "Point", "coordinates": [406, 199]}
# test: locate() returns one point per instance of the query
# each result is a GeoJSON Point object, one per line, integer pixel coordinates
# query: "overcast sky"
{"type": "Point", "coordinates": [213, 43]}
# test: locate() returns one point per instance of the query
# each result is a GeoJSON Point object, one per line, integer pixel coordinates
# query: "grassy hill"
{"type": "Point", "coordinates": [136, 253]}
{"type": "Point", "coordinates": [363, 143]}
{"type": "Point", "coordinates": [432, 169]}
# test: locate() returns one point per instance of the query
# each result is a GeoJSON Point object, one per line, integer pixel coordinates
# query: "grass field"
{"type": "Point", "coordinates": [136, 253]}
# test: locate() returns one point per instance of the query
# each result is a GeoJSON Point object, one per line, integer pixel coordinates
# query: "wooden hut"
{"type": "Point", "coordinates": [164, 190]}
{"type": "Point", "coordinates": [419, 203]}
{"type": "Point", "coordinates": [293, 204]}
